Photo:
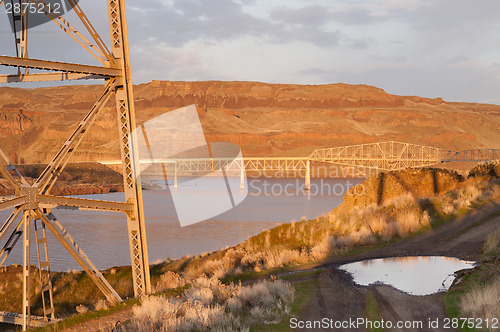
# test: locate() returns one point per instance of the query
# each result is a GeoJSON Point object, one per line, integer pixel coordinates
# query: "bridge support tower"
{"type": "Point", "coordinates": [307, 185]}
{"type": "Point", "coordinates": [33, 202]}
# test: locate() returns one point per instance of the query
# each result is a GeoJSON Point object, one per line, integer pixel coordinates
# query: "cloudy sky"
{"type": "Point", "coordinates": [431, 48]}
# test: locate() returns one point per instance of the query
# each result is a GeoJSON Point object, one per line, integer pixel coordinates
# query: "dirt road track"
{"type": "Point", "coordinates": [338, 298]}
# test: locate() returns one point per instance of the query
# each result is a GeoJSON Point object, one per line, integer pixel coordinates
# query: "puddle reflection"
{"type": "Point", "coordinates": [412, 275]}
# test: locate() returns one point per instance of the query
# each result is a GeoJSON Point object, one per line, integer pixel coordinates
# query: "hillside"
{"type": "Point", "coordinates": [440, 224]}
{"type": "Point", "coordinates": [264, 119]}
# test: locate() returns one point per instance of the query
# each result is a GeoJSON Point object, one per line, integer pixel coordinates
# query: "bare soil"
{"type": "Point", "coordinates": [108, 323]}
{"type": "Point", "coordinates": [339, 298]}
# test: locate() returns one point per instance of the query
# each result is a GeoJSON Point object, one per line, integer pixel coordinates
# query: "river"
{"type": "Point", "coordinates": [103, 235]}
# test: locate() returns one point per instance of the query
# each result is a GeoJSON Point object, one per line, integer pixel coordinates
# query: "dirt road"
{"type": "Point", "coordinates": [340, 299]}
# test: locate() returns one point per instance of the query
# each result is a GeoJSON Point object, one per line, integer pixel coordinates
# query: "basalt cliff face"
{"type": "Point", "coordinates": [263, 119]}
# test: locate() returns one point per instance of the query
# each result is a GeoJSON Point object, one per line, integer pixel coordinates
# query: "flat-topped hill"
{"type": "Point", "coordinates": [264, 119]}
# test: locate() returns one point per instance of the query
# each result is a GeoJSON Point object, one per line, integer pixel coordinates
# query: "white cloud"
{"type": "Point", "coordinates": [428, 47]}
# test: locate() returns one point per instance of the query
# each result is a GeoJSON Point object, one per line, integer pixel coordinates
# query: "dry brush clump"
{"type": "Point", "coordinates": [482, 302]}
{"type": "Point", "coordinates": [470, 194]}
{"type": "Point", "coordinates": [169, 280]}
{"type": "Point", "coordinates": [210, 305]}
{"type": "Point", "coordinates": [340, 231]}
{"type": "Point", "coordinates": [492, 243]}
{"type": "Point", "coordinates": [486, 170]}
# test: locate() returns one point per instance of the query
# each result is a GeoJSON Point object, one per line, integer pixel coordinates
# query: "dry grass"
{"type": "Point", "coordinates": [169, 280]}
{"type": "Point", "coordinates": [101, 305]}
{"type": "Point", "coordinates": [492, 243]}
{"type": "Point", "coordinates": [406, 199]}
{"type": "Point", "coordinates": [285, 245]}
{"type": "Point", "coordinates": [300, 242]}
{"type": "Point", "coordinates": [82, 309]}
{"type": "Point", "coordinates": [472, 193]}
{"type": "Point", "coordinates": [211, 306]}
{"type": "Point", "coordinates": [482, 302]}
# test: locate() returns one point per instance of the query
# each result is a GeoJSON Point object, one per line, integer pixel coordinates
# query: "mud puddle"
{"type": "Point", "coordinates": [413, 275]}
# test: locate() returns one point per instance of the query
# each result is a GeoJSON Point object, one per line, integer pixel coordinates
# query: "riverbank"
{"type": "Point", "coordinates": [76, 179]}
{"type": "Point", "coordinates": [400, 226]}
{"type": "Point", "coordinates": [324, 291]}
{"type": "Point", "coordinates": [95, 178]}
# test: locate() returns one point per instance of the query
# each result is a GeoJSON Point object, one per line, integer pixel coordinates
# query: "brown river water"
{"type": "Point", "coordinates": [268, 202]}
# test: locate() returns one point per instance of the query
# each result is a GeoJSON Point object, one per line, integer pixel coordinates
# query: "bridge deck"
{"type": "Point", "coordinates": [17, 319]}
{"type": "Point", "coordinates": [384, 156]}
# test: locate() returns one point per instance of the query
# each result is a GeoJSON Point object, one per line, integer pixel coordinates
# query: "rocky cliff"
{"type": "Point", "coordinates": [264, 119]}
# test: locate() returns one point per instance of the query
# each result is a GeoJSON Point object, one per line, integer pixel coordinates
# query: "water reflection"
{"type": "Point", "coordinates": [412, 275]}
{"type": "Point", "coordinates": [103, 235]}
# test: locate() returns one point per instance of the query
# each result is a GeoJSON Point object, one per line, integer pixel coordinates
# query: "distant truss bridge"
{"type": "Point", "coordinates": [388, 156]}
{"type": "Point", "coordinates": [382, 156]}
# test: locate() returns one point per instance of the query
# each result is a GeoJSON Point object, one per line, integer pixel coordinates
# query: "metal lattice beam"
{"type": "Point", "coordinates": [33, 202]}
{"type": "Point", "coordinates": [392, 155]}
{"type": "Point", "coordinates": [128, 146]}
{"type": "Point", "coordinates": [46, 77]}
{"type": "Point", "coordinates": [478, 155]}
{"type": "Point", "coordinates": [58, 66]}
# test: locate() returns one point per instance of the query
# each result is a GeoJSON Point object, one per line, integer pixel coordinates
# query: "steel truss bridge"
{"type": "Point", "coordinates": [382, 156]}
{"type": "Point", "coordinates": [389, 156]}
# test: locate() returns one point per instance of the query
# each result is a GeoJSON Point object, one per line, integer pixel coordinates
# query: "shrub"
{"type": "Point", "coordinates": [282, 257]}
{"type": "Point", "coordinates": [169, 280]}
{"type": "Point", "coordinates": [101, 304]}
{"type": "Point", "coordinates": [492, 243]}
{"type": "Point", "coordinates": [265, 301]}
{"type": "Point", "coordinates": [82, 309]}
{"type": "Point", "coordinates": [400, 201]}
{"type": "Point", "coordinates": [489, 170]}
{"type": "Point", "coordinates": [482, 301]}
{"type": "Point", "coordinates": [221, 308]}
{"type": "Point", "coordinates": [203, 295]}
{"type": "Point", "coordinates": [448, 209]}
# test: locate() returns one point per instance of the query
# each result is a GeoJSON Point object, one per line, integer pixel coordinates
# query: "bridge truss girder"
{"type": "Point", "coordinates": [238, 164]}
{"type": "Point", "coordinates": [388, 156]}
{"type": "Point", "coordinates": [477, 155]}
{"type": "Point", "coordinates": [229, 166]}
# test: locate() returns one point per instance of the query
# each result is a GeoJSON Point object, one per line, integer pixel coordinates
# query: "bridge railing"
{"type": "Point", "coordinates": [229, 166]}
{"type": "Point", "coordinates": [211, 164]}
{"type": "Point", "coordinates": [384, 156]}
{"type": "Point", "coordinates": [475, 155]}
